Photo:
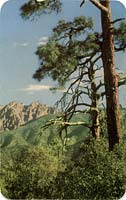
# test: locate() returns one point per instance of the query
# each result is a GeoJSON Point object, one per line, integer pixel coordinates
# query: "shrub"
{"type": "Point", "coordinates": [94, 173]}
{"type": "Point", "coordinates": [30, 173]}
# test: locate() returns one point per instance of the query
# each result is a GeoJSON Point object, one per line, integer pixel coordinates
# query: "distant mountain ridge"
{"type": "Point", "coordinates": [14, 114]}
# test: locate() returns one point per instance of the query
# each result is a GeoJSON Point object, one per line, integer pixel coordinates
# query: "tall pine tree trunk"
{"type": "Point", "coordinates": [110, 79]}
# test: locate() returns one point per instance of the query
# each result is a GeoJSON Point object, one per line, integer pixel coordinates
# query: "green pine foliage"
{"type": "Point", "coordinates": [120, 36]}
{"type": "Point", "coordinates": [32, 8]}
{"type": "Point", "coordinates": [61, 55]}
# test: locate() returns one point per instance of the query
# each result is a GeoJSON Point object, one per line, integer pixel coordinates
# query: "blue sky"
{"type": "Point", "coordinates": [19, 40]}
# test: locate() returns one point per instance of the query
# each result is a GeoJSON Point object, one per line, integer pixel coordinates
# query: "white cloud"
{"type": "Point", "coordinates": [24, 44]}
{"type": "Point", "coordinates": [42, 40]}
{"type": "Point", "coordinates": [33, 88]}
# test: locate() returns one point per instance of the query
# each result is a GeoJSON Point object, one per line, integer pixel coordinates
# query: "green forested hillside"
{"type": "Point", "coordinates": [33, 134]}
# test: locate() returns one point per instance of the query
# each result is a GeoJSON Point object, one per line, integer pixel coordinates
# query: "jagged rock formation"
{"type": "Point", "coordinates": [16, 114]}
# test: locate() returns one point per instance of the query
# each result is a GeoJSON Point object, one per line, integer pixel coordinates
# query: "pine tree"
{"type": "Point", "coordinates": [103, 43]}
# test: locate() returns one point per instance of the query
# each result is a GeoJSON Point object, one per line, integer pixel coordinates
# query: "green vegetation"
{"type": "Point", "coordinates": [33, 134]}
{"type": "Point", "coordinates": [93, 173]}
{"type": "Point", "coordinates": [30, 173]}
{"type": "Point", "coordinates": [36, 166]}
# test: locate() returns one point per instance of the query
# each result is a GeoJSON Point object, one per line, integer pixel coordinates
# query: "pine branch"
{"type": "Point", "coordinates": [121, 79]}
{"type": "Point", "coordinates": [63, 123]}
{"type": "Point", "coordinates": [122, 48]}
{"type": "Point", "coordinates": [122, 82]}
{"type": "Point", "coordinates": [82, 3]}
{"type": "Point", "coordinates": [117, 20]}
{"type": "Point", "coordinates": [76, 105]}
{"type": "Point", "coordinates": [100, 85]}
{"type": "Point", "coordinates": [99, 5]}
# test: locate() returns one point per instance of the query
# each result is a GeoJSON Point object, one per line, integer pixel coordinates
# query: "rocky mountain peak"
{"type": "Point", "coordinates": [15, 114]}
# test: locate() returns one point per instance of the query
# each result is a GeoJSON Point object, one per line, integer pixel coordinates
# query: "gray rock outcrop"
{"type": "Point", "coordinates": [16, 114]}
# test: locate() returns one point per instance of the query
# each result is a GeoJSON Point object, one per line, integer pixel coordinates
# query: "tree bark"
{"type": "Point", "coordinates": [95, 114]}
{"type": "Point", "coordinates": [95, 129]}
{"type": "Point", "coordinates": [110, 78]}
